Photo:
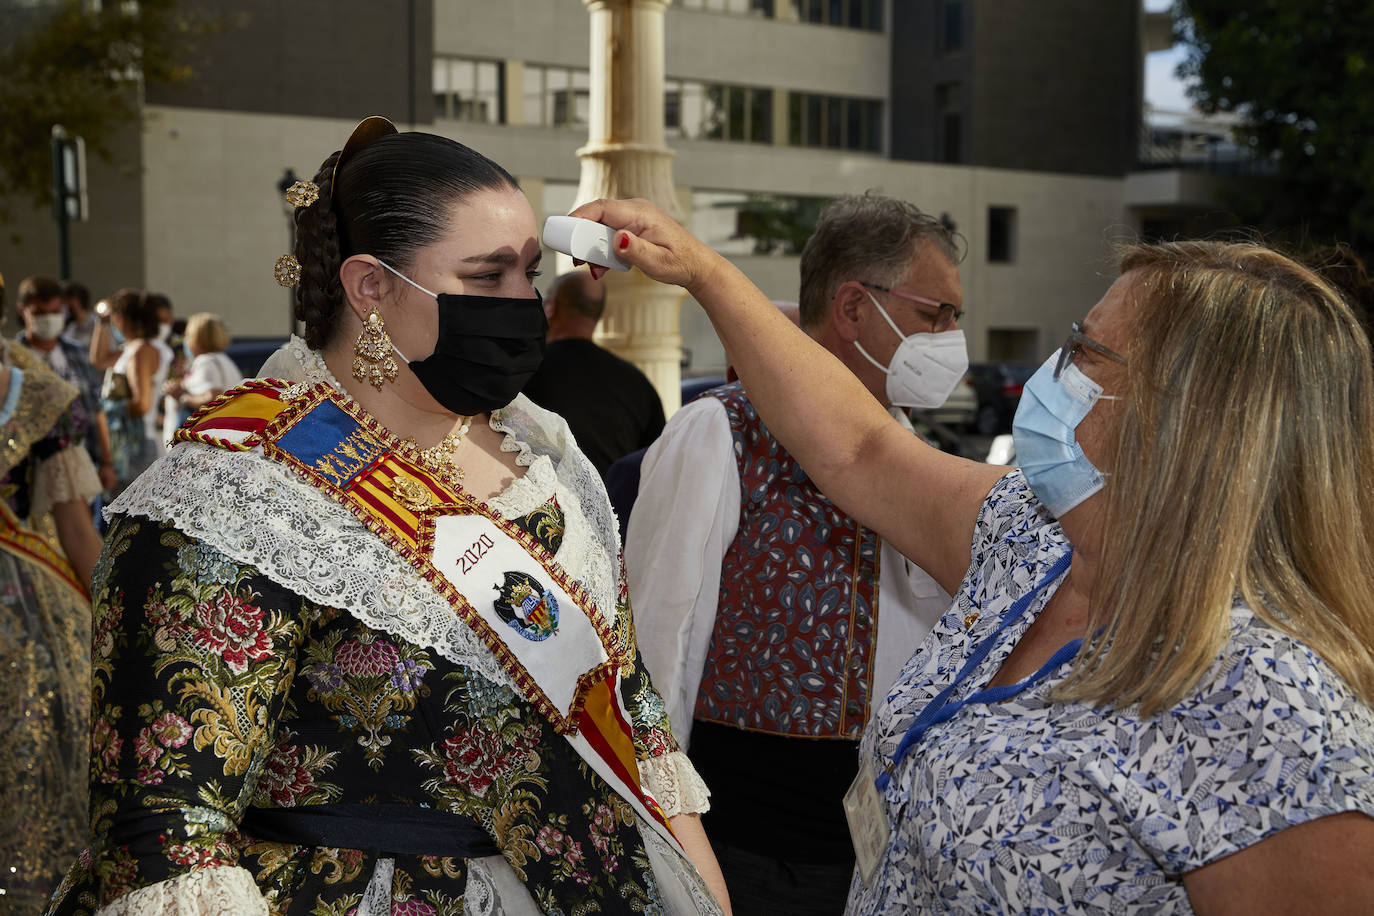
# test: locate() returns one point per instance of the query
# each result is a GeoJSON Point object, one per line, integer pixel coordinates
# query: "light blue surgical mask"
{"type": "Point", "coordinates": [11, 403]}
{"type": "Point", "coordinates": [1058, 472]}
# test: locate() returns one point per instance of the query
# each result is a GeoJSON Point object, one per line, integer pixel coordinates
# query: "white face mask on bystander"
{"type": "Point", "coordinates": [48, 327]}
{"type": "Point", "coordinates": [925, 367]}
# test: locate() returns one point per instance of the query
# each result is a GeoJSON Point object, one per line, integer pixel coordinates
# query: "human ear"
{"type": "Point", "coordinates": [845, 308]}
{"type": "Point", "coordinates": [362, 283]}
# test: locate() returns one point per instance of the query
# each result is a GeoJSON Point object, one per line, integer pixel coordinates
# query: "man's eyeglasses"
{"type": "Point", "coordinates": [1076, 340]}
{"type": "Point", "coordinates": [944, 316]}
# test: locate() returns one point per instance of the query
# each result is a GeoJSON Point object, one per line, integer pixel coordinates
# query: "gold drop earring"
{"type": "Point", "coordinates": [373, 361]}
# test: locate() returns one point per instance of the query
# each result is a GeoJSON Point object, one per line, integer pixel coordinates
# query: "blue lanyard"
{"type": "Point", "coordinates": [941, 709]}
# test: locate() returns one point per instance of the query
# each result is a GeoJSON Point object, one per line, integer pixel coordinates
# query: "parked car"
{"type": "Point", "coordinates": [997, 387]}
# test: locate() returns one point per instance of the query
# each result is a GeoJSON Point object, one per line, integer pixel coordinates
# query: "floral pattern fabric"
{"type": "Point", "coordinates": [262, 701]}
{"type": "Point", "coordinates": [1031, 805]}
{"type": "Point", "coordinates": [792, 648]}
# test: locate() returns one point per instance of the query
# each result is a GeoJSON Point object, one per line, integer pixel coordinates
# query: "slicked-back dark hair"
{"type": "Point", "coordinates": [868, 237]}
{"type": "Point", "coordinates": [392, 198]}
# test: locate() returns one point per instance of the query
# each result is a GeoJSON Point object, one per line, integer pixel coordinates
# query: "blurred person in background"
{"type": "Point", "coordinates": [173, 363]}
{"type": "Point", "coordinates": [611, 406]}
{"type": "Point", "coordinates": [1153, 693]}
{"type": "Point", "coordinates": [211, 372]}
{"type": "Point", "coordinates": [133, 381]}
{"type": "Point", "coordinates": [173, 413]}
{"type": "Point", "coordinates": [40, 302]}
{"type": "Point", "coordinates": [166, 318]}
{"type": "Point", "coordinates": [80, 318]}
{"type": "Point", "coordinates": [48, 547]}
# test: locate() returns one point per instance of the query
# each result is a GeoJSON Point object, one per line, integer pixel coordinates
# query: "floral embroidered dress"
{"type": "Point", "coordinates": [289, 718]}
{"type": "Point", "coordinates": [45, 627]}
{"type": "Point", "coordinates": [1029, 805]}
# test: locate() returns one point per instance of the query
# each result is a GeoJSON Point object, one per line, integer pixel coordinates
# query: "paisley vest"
{"type": "Point", "coordinates": [793, 645]}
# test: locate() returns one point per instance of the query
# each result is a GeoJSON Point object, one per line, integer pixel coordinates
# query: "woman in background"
{"type": "Point", "coordinates": [211, 372]}
{"type": "Point", "coordinates": [47, 549]}
{"type": "Point", "coordinates": [134, 377]}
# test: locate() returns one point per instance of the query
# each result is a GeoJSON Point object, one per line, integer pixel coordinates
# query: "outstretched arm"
{"type": "Point", "coordinates": [921, 500]}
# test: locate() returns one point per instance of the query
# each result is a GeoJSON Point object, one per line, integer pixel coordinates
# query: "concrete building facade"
{"type": "Point", "coordinates": [770, 107]}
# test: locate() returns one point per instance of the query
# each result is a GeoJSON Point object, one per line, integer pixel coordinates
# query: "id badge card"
{"type": "Point", "coordinates": [868, 826]}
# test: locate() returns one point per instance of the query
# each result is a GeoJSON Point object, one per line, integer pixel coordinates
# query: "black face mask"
{"type": "Point", "coordinates": [488, 348]}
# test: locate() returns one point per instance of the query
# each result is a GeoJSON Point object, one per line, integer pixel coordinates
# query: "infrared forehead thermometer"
{"type": "Point", "coordinates": [584, 240]}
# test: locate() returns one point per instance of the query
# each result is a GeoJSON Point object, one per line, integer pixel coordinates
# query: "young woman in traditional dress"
{"type": "Point", "coordinates": [363, 643]}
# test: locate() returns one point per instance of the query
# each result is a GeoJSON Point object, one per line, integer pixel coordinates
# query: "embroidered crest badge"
{"type": "Point", "coordinates": [411, 493]}
{"type": "Point", "coordinates": [529, 608]}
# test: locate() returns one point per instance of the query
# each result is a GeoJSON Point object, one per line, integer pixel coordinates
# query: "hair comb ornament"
{"type": "Point", "coordinates": [368, 130]}
{"type": "Point", "coordinates": [302, 194]}
{"type": "Point", "coordinates": [287, 270]}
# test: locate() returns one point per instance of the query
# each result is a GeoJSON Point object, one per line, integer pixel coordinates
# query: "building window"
{"type": "Point", "coordinates": [834, 122]}
{"type": "Point", "coordinates": [556, 96]}
{"type": "Point", "coordinates": [951, 26]}
{"type": "Point", "coordinates": [739, 7]}
{"type": "Point", "coordinates": [855, 14]}
{"type": "Point", "coordinates": [469, 90]}
{"type": "Point", "coordinates": [739, 224]}
{"type": "Point", "coordinates": [1001, 235]}
{"type": "Point", "coordinates": [1019, 346]}
{"type": "Point", "coordinates": [701, 111]}
{"type": "Point", "coordinates": [949, 123]}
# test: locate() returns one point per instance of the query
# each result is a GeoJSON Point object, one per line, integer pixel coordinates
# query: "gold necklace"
{"type": "Point", "coordinates": [440, 457]}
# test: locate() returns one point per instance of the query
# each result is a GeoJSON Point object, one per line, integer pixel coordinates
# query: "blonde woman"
{"type": "Point", "coordinates": [211, 372]}
{"type": "Point", "coordinates": [1153, 690]}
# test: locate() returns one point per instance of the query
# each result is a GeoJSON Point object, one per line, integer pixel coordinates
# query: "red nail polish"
{"type": "Point", "coordinates": [624, 242]}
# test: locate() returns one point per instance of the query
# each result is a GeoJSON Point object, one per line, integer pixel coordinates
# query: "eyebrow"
{"type": "Point", "coordinates": [502, 258]}
{"type": "Point", "coordinates": [495, 257]}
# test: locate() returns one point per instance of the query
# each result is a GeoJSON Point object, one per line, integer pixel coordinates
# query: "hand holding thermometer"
{"type": "Point", "coordinates": [584, 240]}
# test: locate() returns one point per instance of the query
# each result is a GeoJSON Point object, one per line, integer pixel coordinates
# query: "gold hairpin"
{"type": "Point", "coordinates": [287, 270]}
{"type": "Point", "coordinates": [302, 194]}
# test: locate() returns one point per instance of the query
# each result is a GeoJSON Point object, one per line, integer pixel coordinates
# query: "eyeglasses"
{"type": "Point", "coordinates": [1076, 340]}
{"type": "Point", "coordinates": [944, 316]}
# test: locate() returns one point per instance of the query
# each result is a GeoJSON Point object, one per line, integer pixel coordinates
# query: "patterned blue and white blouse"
{"type": "Point", "coordinates": [1033, 806]}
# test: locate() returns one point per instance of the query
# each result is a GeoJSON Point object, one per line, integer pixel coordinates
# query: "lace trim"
{"type": "Point", "coordinates": [525, 494]}
{"type": "Point", "coordinates": [675, 784]}
{"type": "Point", "coordinates": [199, 892]}
{"type": "Point", "coordinates": [377, 896]}
{"type": "Point", "coordinates": [260, 514]}
{"type": "Point", "coordinates": [67, 475]}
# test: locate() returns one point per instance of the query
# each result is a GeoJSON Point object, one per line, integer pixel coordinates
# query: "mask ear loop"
{"type": "Point", "coordinates": [886, 317]}
{"type": "Point", "coordinates": [886, 370]}
{"type": "Point", "coordinates": [412, 283]}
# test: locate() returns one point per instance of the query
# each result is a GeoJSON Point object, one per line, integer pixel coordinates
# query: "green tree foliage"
{"type": "Point", "coordinates": [80, 64]}
{"type": "Point", "coordinates": [779, 225]}
{"type": "Point", "coordinates": [1300, 73]}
